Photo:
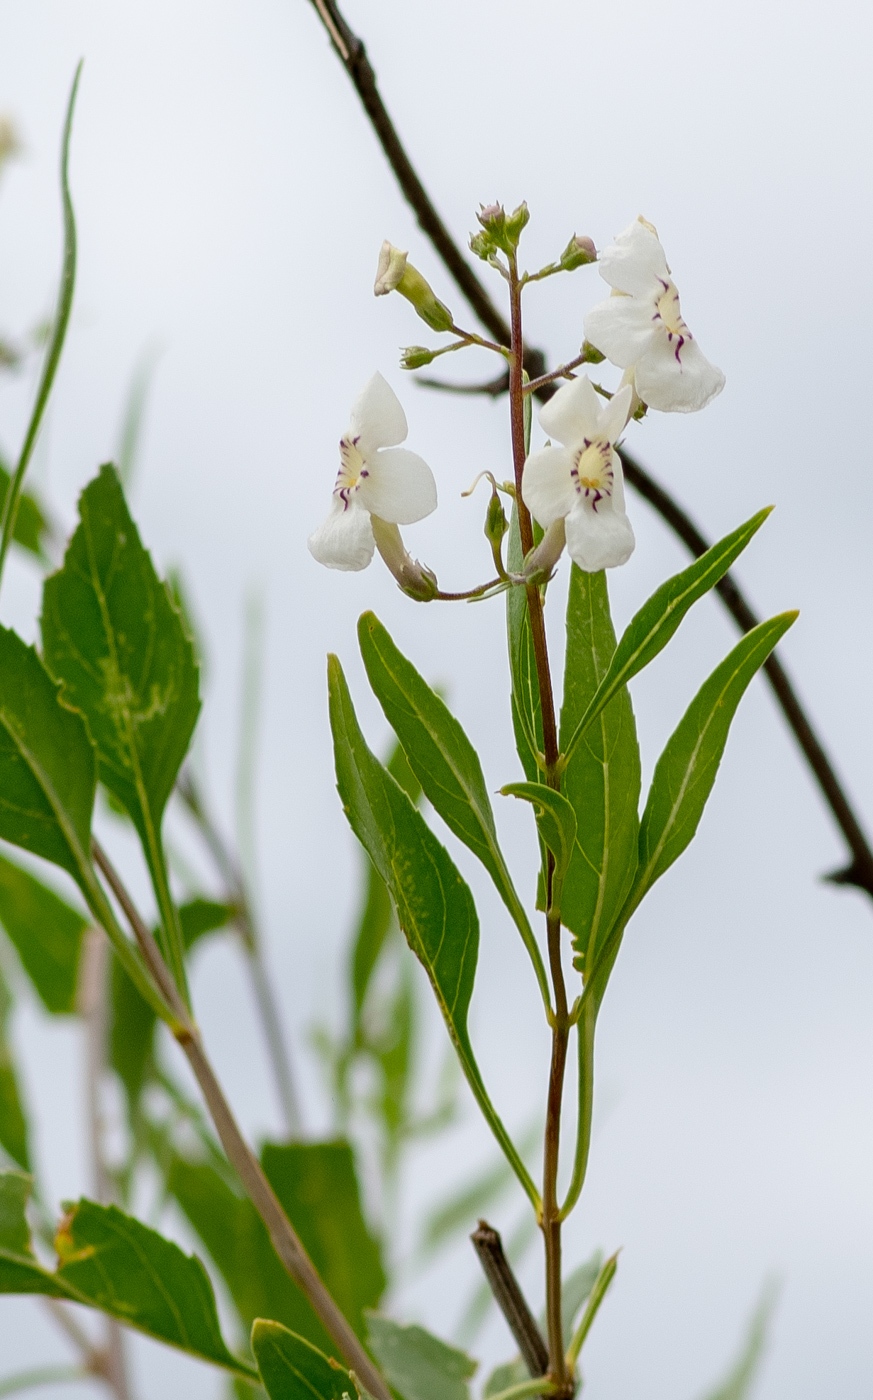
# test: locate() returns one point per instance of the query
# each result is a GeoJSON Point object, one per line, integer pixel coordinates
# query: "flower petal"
{"type": "Point", "coordinates": [546, 486]}
{"type": "Point", "coordinates": [599, 539]}
{"type": "Point", "coordinates": [635, 261]}
{"type": "Point", "coordinates": [615, 413]}
{"type": "Point", "coordinates": [674, 381]}
{"type": "Point", "coordinates": [621, 328]}
{"type": "Point", "coordinates": [345, 539]}
{"type": "Point", "coordinates": [377, 418]}
{"type": "Point", "coordinates": [573, 413]}
{"type": "Point", "coordinates": [400, 487]}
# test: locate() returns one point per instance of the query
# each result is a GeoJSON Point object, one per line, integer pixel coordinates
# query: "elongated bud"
{"type": "Point", "coordinates": [395, 273]}
{"type": "Point", "coordinates": [496, 524]}
{"type": "Point", "coordinates": [578, 252]}
{"type": "Point", "coordinates": [415, 579]}
{"type": "Point", "coordinates": [540, 563]}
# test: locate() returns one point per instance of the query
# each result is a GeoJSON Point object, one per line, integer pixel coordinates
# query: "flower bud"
{"type": "Point", "coordinates": [416, 357]}
{"type": "Point", "coordinates": [593, 356]}
{"type": "Point", "coordinates": [499, 229]}
{"type": "Point", "coordinates": [396, 274]}
{"type": "Point", "coordinates": [496, 524]}
{"type": "Point", "coordinates": [578, 252]}
{"type": "Point", "coordinates": [392, 265]}
{"type": "Point", "coordinates": [540, 562]}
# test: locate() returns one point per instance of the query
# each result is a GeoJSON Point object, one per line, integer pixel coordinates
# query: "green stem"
{"type": "Point", "coordinates": [173, 947]}
{"type": "Point", "coordinates": [56, 344]}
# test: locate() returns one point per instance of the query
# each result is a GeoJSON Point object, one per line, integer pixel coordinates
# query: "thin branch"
{"type": "Point", "coordinates": [859, 870]}
{"type": "Point", "coordinates": [510, 1299]}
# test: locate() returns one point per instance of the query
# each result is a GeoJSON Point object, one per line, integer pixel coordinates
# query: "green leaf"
{"type": "Point", "coordinates": [576, 1289]}
{"type": "Point", "coordinates": [374, 926]}
{"type": "Point", "coordinates": [111, 1261]}
{"type": "Point", "coordinates": [13, 1123]}
{"type": "Point", "coordinates": [47, 934]}
{"type": "Point", "coordinates": [686, 770]}
{"type": "Point", "coordinates": [738, 1383]}
{"type": "Point", "coordinates": [444, 762]}
{"type": "Point", "coordinates": [418, 1365]}
{"type": "Point", "coordinates": [316, 1185]}
{"type": "Point", "coordinates": [47, 765]}
{"type": "Point", "coordinates": [31, 525]}
{"type": "Point", "coordinates": [555, 818]}
{"type": "Point", "coordinates": [114, 637]}
{"type": "Point", "coordinates": [132, 1020]}
{"type": "Point", "coordinates": [504, 1377]}
{"type": "Point", "coordinates": [434, 906]}
{"type": "Point", "coordinates": [602, 779]}
{"type": "Point", "coordinates": [527, 715]}
{"type": "Point", "coordinates": [651, 628]}
{"type": "Point", "coordinates": [12, 497]}
{"type": "Point", "coordinates": [292, 1369]}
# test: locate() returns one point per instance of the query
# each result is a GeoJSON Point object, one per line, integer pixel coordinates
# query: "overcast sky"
{"type": "Point", "coordinates": [231, 202]}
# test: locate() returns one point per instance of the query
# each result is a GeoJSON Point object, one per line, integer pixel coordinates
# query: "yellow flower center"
{"type": "Point", "coordinates": [592, 471]}
{"type": "Point", "coordinates": [352, 470]}
{"type": "Point", "coordinates": [669, 311]}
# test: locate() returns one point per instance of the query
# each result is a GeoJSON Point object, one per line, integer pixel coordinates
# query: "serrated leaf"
{"type": "Point", "coordinates": [47, 935]}
{"type": "Point", "coordinates": [685, 772]}
{"type": "Point", "coordinates": [13, 1122]}
{"type": "Point", "coordinates": [438, 751]}
{"type": "Point", "coordinates": [113, 635]}
{"type": "Point", "coordinates": [418, 1365]}
{"type": "Point", "coordinates": [292, 1369]}
{"type": "Point", "coordinates": [434, 906]}
{"type": "Point", "coordinates": [651, 628]}
{"type": "Point", "coordinates": [47, 763]}
{"type": "Point", "coordinates": [111, 1262]}
{"type": "Point", "coordinates": [317, 1187]}
{"type": "Point", "coordinates": [527, 715]}
{"type": "Point", "coordinates": [602, 779]}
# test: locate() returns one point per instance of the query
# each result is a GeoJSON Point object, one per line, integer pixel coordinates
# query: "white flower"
{"type": "Point", "coordinates": [392, 265]}
{"type": "Point", "coordinates": [378, 486]}
{"type": "Point", "coordinates": [640, 327]}
{"type": "Point", "coordinates": [578, 489]}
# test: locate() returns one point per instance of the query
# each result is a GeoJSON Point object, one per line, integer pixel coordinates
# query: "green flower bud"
{"type": "Point", "coordinates": [499, 229]}
{"type": "Point", "coordinates": [496, 524]}
{"type": "Point", "coordinates": [416, 357]}
{"type": "Point", "coordinates": [578, 252]}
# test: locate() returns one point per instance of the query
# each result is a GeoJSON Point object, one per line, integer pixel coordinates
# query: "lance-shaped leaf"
{"type": "Point", "coordinates": [292, 1369]}
{"type": "Point", "coordinates": [651, 628]}
{"type": "Point", "coordinates": [113, 635]}
{"type": "Point", "coordinates": [418, 1365]}
{"type": "Point", "coordinates": [434, 906]}
{"type": "Point", "coordinates": [443, 760]}
{"type": "Point", "coordinates": [13, 1123]}
{"type": "Point", "coordinates": [602, 780]}
{"type": "Point", "coordinates": [47, 934]}
{"type": "Point", "coordinates": [686, 770]}
{"type": "Point", "coordinates": [31, 526]}
{"type": "Point", "coordinates": [111, 1262]}
{"type": "Point", "coordinates": [47, 765]}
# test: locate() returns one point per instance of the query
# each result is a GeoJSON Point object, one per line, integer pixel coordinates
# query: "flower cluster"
{"type": "Point", "coordinates": [575, 489]}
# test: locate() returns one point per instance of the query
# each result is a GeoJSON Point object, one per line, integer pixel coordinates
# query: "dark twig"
{"type": "Point", "coordinates": [510, 1299]}
{"type": "Point", "coordinates": [492, 387]}
{"type": "Point", "coordinates": [859, 870]}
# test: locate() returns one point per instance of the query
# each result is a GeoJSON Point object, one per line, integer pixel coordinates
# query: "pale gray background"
{"type": "Point", "coordinates": [231, 202]}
